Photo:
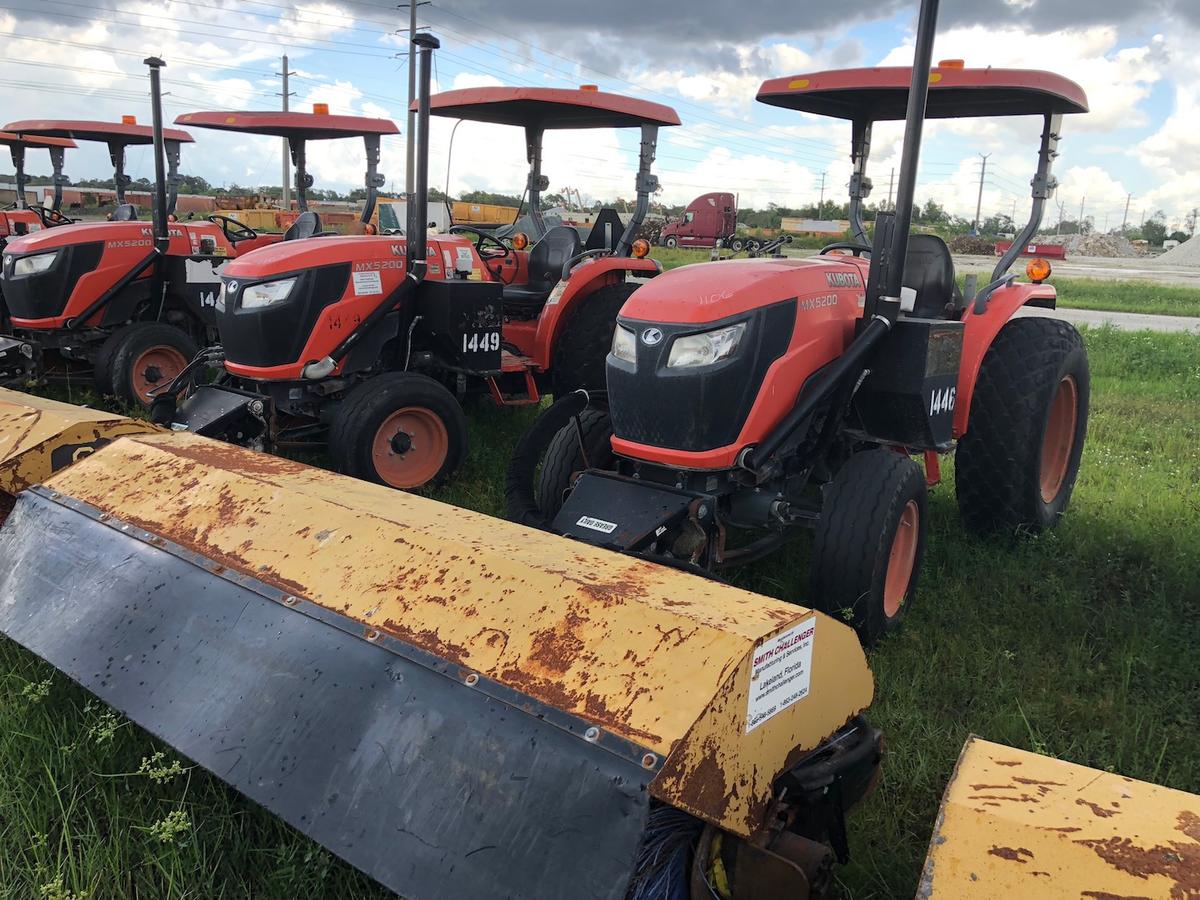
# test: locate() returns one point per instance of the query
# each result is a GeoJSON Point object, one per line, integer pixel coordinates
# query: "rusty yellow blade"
{"type": "Point", "coordinates": [459, 705]}
{"type": "Point", "coordinates": [40, 436]}
{"type": "Point", "coordinates": [1014, 824]}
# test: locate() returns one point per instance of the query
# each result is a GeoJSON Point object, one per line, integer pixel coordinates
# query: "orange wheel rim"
{"type": "Point", "coordinates": [902, 559]}
{"type": "Point", "coordinates": [410, 447]}
{"type": "Point", "coordinates": [1059, 440]}
{"type": "Point", "coordinates": [155, 368]}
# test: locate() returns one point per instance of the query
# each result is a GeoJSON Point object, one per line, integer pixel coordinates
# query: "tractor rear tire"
{"type": "Point", "coordinates": [400, 429]}
{"type": "Point", "coordinates": [866, 558]}
{"type": "Point", "coordinates": [141, 357]}
{"type": "Point", "coordinates": [582, 347]}
{"type": "Point", "coordinates": [1015, 467]}
{"type": "Point", "coordinates": [565, 457]}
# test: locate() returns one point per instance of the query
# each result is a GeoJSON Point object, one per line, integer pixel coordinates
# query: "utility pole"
{"type": "Point", "coordinates": [1125, 218]}
{"type": "Point", "coordinates": [412, 95]}
{"type": "Point", "coordinates": [285, 199]}
{"type": "Point", "coordinates": [891, 183]}
{"type": "Point", "coordinates": [822, 203]}
{"type": "Point", "coordinates": [979, 202]}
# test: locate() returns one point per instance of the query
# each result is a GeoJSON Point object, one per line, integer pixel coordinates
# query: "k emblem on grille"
{"type": "Point", "coordinates": [652, 336]}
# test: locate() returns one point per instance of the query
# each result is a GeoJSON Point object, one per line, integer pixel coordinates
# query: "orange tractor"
{"type": "Point", "coordinates": [755, 400]}
{"type": "Point", "coordinates": [366, 345]}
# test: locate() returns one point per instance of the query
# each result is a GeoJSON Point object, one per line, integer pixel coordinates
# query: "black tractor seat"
{"type": "Point", "coordinates": [546, 260]}
{"type": "Point", "coordinates": [929, 270]}
{"type": "Point", "coordinates": [126, 212]}
{"type": "Point", "coordinates": [307, 224]}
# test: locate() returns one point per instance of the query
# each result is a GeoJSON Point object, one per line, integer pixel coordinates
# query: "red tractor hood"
{"type": "Point", "coordinates": [710, 292]}
{"type": "Point", "coordinates": [365, 252]}
{"type": "Point", "coordinates": [184, 238]}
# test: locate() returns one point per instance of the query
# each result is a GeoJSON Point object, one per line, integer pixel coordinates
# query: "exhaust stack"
{"type": "Point", "coordinates": [162, 237]}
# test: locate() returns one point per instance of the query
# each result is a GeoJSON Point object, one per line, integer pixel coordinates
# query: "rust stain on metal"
{"type": "Point", "coordinates": [245, 462]}
{"type": "Point", "coordinates": [1105, 895]}
{"type": "Point", "coordinates": [556, 649]}
{"type": "Point", "coordinates": [1096, 808]}
{"type": "Point", "coordinates": [427, 639]}
{"type": "Point", "coordinates": [7, 502]}
{"type": "Point", "coordinates": [1178, 861]}
{"type": "Point", "coordinates": [1009, 853]}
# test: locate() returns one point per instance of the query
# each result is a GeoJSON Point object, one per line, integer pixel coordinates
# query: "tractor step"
{"type": "Point", "coordinates": [515, 365]}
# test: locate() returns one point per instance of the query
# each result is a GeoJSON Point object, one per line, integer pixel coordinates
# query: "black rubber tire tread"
{"type": "Point", "coordinates": [998, 461]}
{"type": "Point", "coordinates": [520, 502]}
{"type": "Point", "coordinates": [114, 363]}
{"type": "Point", "coordinates": [358, 416]}
{"type": "Point", "coordinates": [564, 458]}
{"type": "Point", "coordinates": [671, 242]}
{"type": "Point", "coordinates": [861, 510]}
{"type": "Point", "coordinates": [578, 361]}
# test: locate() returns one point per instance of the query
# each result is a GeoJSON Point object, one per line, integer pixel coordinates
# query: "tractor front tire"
{"type": "Point", "coordinates": [566, 456]}
{"type": "Point", "coordinates": [866, 558]}
{"type": "Point", "coordinates": [400, 429]}
{"type": "Point", "coordinates": [140, 358]}
{"type": "Point", "coordinates": [582, 347]}
{"type": "Point", "coordinates": [1015, 467]}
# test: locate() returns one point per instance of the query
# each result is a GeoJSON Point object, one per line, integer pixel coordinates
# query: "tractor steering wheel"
{"type": "Point", "coordinates": [859, 249]}
{"type": "Point", "coordinates": [484, 237]}
{"type": "Point", "coordinates": [51, 217]}
{"type": "Point", "coordinates": [234, 230]}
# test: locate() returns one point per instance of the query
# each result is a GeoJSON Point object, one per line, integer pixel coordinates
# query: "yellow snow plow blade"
{"type": "Point", "coordinates": [40, 436]}
{"type": "Point", "coordinates": [1016, 824]}
{"type": "Point", "coordinates": [458, 705]}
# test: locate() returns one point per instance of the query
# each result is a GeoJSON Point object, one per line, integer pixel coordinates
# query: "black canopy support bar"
{"type": "Point", "coordinates": [647, 184]}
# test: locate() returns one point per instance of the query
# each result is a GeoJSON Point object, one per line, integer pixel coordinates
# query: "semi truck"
{"type": "Point", "coordinates": [709, 218]}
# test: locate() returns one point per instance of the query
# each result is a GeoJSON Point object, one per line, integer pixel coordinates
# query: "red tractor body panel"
{"type": "Point", "coordinates": [125, 244]}
{"type": "Point", "coordinates": [829, 293]}
{"type": "Point", "coordinates": [707, 219]}
{"type": "Point", "coordinates": [386, 256]}
{"type": "Point", "coordinates": [19, 222]}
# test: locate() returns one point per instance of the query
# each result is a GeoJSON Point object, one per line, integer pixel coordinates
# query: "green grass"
{"type": "Point", "coordinates": [1073, 293]}
{"type": "Point", "coordinates": [1080, 643]}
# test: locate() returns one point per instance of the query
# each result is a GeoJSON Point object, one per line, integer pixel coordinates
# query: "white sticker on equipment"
{"type": "Point", "coordinates": [780, 674]}
{"type": "Point", "coordinates": [367, 283]}
{"type": "Point", "coordinates": [597, 524]}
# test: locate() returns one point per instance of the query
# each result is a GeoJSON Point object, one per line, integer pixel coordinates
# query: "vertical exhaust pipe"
{"type": "Point", "coordinates": [418, 210]}
{"type": "Point", "coordinates": [418, 216]}
{"type": "Point", "coordinates": [886, 278]}
{"type": "Point", "coordinates": [161, 236]}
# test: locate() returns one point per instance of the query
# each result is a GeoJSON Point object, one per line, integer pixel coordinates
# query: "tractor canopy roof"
{"type": "Point", "coordinates": [548, 108]}
{"type": "Point", "coordinates": [8, 139]}
{"type": "Point", "coordinates": [308, 126]}
{"type": "Point", "coordinates": [126, 133]}
{"type": "Point", "coordinates": [881, 93]}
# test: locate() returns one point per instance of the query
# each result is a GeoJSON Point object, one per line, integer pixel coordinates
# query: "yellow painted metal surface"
{"type": "Point", "coordinates": [1015, 824]}
{"type": "Point", "coordinates": [38, 436]}
{"type": "Point", "coordinates": [654, 655]}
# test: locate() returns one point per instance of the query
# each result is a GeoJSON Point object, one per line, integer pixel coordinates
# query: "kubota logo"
{"type": "Point", "coordinates": [842, 279]}
{"type": "Point", "coordinates": [652, 336]}
{"type": "Point", "coordinates": [231, 287]}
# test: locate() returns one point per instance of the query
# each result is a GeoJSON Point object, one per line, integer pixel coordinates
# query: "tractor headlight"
{"type": "Point", "coordinates": [624, 345]}
{"type": "Point", "coordinates": [257, 296]}
{"type": "Point", "coordinates": [705, 349]}
{"type": "Point", "coordinates": [32, 265]}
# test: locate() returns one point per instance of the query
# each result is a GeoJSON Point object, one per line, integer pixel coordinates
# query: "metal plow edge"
{"type": "Point", "coordinates": [458, 706]}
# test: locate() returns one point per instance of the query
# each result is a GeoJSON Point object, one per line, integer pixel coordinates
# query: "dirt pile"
{"type": "Point", "coordinates": [1186, 254]}
{"type": "Point", "coordinates": [1111, 246]}
{"type": "Point", "coordinates": [973, 246]}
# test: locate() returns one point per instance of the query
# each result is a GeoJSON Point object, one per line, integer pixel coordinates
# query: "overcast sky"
{"type": "Point", "coordinates": [1137, 62]}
